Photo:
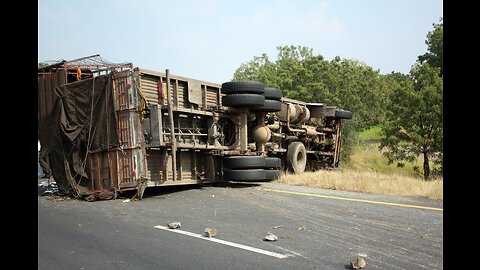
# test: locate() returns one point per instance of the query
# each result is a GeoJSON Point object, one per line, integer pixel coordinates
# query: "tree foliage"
{"type": "Point", "coordinates": [434, 55]}
{"type": "Point", "coordinates": [414, 120]}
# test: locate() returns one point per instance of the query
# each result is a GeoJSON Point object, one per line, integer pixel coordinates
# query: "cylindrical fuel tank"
{"type": "Point", "coordinates": [261, 134]}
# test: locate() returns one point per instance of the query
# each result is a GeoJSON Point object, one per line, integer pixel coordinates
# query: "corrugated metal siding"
{"type": "Point", "coordinates": [149, 80]}
{"type": "Point", "coordinates": [211, 97]}
{"type": "Point", "coordinates": [182, 95]}
{"type": "Point", "coordinates": [185, 165]}
{"type": "Point", "coordinates": [155, 164]}
{"type": "Point", "coordinates": [131, 159]}
{"type": "Point", "coordinates": [149, 88]}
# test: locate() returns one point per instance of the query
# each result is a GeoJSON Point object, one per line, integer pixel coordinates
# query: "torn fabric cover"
{"type": "Point", "coordinates": [83, 121]}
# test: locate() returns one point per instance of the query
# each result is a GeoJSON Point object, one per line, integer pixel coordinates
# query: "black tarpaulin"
{"type": "Point", "coordinates": [83, 121]}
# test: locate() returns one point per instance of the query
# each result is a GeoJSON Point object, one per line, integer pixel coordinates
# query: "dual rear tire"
{"type": "Point", "coordinates": [251, 168]}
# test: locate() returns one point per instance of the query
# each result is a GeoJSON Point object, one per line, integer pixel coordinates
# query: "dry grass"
{"type": "Point", "coordinates": [367, 182]}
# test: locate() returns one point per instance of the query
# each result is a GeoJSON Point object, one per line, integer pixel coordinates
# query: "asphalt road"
{"type": "Point", "coordinates": [316, 229]}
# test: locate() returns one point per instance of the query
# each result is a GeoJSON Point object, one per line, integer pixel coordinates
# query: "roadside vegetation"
{"type": "Point", "coordinates": [368, 171]}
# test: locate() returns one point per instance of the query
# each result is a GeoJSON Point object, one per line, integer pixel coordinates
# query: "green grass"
{"type": "Point", "coordinates": [371, 134]}
{"type": "Point", "coordinates": [367, 157]}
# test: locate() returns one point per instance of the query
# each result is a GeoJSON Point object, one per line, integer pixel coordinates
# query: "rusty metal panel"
{"type": "Point", "coordinates": [41, 97]}
{"type": "Point", "coordinates": [47, 81]}
{"type": "Point", "coordinates": [130, 129]}
{"type": "Point", "coordinates": [130, 167]}
{"type": "Point", "coordinates": [126, 176]}
{"type": "Point", "coordinates": [113, 163]}
{"type": "Point", "coordinates": [48, 95]}
{"type": "Point", "coordinates": [118, 169]}
{"type": "Point", "coordinates": [122, 91]}
{"type": "Point", "coordinates": [124, 129]}
{"type": "Point", "coordinates": [99, 173]}
{"type": "Point", "coordinates": [60, 78]}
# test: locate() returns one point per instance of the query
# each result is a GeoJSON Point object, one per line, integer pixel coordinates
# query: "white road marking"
{"type": "Point", "coordinates": [228, 243]}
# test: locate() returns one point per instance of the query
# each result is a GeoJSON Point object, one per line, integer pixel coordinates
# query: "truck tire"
{"type": "Point", "coordinates": [272, 93]}
{"type": "Point", "coordinates": [243, 100]}
{"type": "Point", "coordinates": [253, 175]}
{"type": "Point", "coordinates": [297, 157]}
{"type": "Point", "coordinates": [243, 86]}
{"type": "Point", "coordinates": [343, 114]}
{"type": "Point", "coordinates": [244, 162]}
{"type": "Point", "coordinates": [273, 163]}
{"type": "Point", "coordinates": [271, 175]}
{"type": "Point", "coordinates": [269, 105]}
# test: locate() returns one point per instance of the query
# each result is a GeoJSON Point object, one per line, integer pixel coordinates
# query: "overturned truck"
{"type": "Point", "coordinates": [110, 127]}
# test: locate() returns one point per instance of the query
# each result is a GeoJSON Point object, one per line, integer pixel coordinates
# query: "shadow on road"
{"type": "Point", "coordinates": [159, 190]}
{"type": "Point", "coordinates": [165, 190]}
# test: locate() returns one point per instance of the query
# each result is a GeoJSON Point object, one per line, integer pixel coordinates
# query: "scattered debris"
{"type": "Point", "coordinates": [106, 195]}
{"type": "Point", "coordinates": [270, 237]}
{"type": "Point", "coordinates": [56, 198]}
{"type": "Point", "coordinates": [277, 227]}
{"type": "Point", "coordinates": [355, 228]}
{"type": "Point", "coordinates": [90, 198]}
{"type": "Point", "coordinates": [174, 225]}
{"type": "Point", "coordinates": [49, 188]}
{"type": "Point", "coordinates": [127, 200]}
{"type": "Point", "coordinates": [358, 263]}
{"type": "Point", "coordinates": [47, 193]}
{"type": "Point", "coordinates": [209, 232]}
{"type": "Point", "coordinates": [302, 227]}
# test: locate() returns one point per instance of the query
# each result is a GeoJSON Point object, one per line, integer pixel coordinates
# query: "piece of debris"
{"type": "Point", "coordinates": [47, 193]}
{"type": "Point", "coordinates": [106, 195]}
{"type": "Point", "coordinates": [209, 232]}
{"type": "Point", "coordinates": [270, 237]}
{"type": "Point", "coordinates": [355, 228]}
{"type": "Point", "coordinates": [43, 184]}
{"type": "Point", "coordinates": [302, 227]}
{"type": "Point", "coordinates": [358, 263]}
{"type": "Point", "coordinates": [174, 225]}
{"type": "Point", "coordinates": [90, 198]}
{"type": "Point", "coordinates": [127, 200]}
{"type": "Point", "coordinates": [277, 227]}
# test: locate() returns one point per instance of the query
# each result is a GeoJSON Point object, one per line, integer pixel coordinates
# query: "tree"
{"type": "Point", "coordinates": [414, 122]}
{"type": "Point", "coordinates": [434, 55]}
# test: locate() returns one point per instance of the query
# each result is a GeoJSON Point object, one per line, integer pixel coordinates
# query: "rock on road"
{"type": "Point", "coordinates": [314, 232]}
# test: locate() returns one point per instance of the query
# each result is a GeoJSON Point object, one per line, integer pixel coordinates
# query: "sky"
{"type": "Point", "coordinates": [209, 39]}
